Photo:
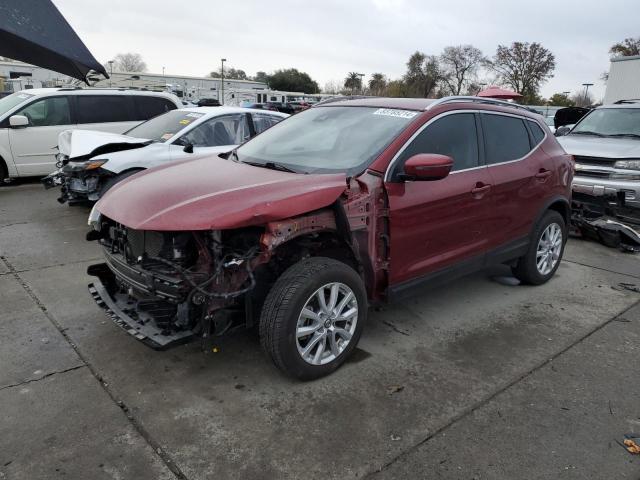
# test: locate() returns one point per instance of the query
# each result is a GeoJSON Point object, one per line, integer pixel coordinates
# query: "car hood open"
{"type": "Point", "coordinates": [213, 193]}
{"type": "Point", "coordinates": [593, 146]}
{"type": "Point", "coordinates": [85, 144]}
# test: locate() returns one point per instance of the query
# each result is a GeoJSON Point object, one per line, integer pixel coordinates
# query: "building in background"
{"type": "Point", "coordinates": [15, 76]}
{"type": "Point", "coordinates": [624, 79]}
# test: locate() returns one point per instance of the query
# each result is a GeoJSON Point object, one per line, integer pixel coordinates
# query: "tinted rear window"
{"type": "Point", "coordinates": [506, 138]}
{"type": "Point", "coordinates": [148, 107]}
{"type": "Point", "coordinates": [103, 109]}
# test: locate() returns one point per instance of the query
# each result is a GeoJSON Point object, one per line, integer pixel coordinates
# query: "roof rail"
{"type": "Point", "coordinates": [489, 101]}
{"type": "Point", "coordinates": [340, 98]}
{"type": "Point", "coordinates": [627, 100]}
{"type": "Point", "coordinates": [67, 89]}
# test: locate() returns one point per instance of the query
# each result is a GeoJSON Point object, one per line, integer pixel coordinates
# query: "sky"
{"type": "Point", "coordinates": [330, 38]}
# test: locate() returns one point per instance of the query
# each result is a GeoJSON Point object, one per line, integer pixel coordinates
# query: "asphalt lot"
{"type": "Point", "coordinates": [473, 380]}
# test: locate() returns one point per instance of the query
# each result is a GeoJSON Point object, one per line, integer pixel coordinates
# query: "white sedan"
{"type": "Point", "coordinates": [91, 162]}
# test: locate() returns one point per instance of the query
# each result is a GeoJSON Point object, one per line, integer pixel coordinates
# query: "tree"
{"type": "Point", "coordinates": [523, 67]}
{"type": "Point", "coordinates": [377, 84]}
{"type": "Point", "coordinates": [332, 87]}
{"type": "Point", "coordinates": [230, 73]}
{"type": "Point", "coordinates": [396, 88]}
{"type": "Point", "coordinates": [582, 99]}
{"type": "Point", "coordinates": [291, 80]}
{"type": "Point", "coordinates": [353, 82]}
{"type": "Point", "coordinates": [423, 75]}
{"type": "Point", "coordinates": [561, 100]}
{"type": "Point", "coordinates": [261, 77]}
{"type": "Point", "coordinates": [129, 62]}
{"type": "Point", "coordinates": [627, 48]}
{"type": "Point", "coordinates": [459, 66]}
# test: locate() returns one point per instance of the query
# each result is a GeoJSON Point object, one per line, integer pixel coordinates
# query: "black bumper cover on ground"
{"type": "Point", "coordinates": [115, 304]}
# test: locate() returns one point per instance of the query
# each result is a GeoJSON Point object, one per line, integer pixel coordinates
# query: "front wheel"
{"type": "Point", "coordinates": [545, 251]}
{"type": "Point", "coordinates": [313, 317]}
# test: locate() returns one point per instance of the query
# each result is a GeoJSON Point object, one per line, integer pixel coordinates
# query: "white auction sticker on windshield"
{"type": "Point", "coordinates": [392, 112]}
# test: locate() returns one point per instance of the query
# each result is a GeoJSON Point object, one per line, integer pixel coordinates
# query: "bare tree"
{"type": "Point", "coordinates": [129, 62]}
{"type": "Point", "coordinates": [377, 84]}
{"type": "Point", "coordinates": [523, 66]}
{"type": "Point", "coordinates": [459, 65]}
{"type": "Point", "coordinates": [582, 99]}
{"type": "Point", "coordinates": [332, 87]}
{"type": "Point", "coordinates": [627, 48]}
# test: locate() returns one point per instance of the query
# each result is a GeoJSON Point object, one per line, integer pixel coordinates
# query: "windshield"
{"type": "Point", "coordinates": [163, 127]}
{"type": "Point", "coordinates": [10, 101]}
{"type": "Point", "coordinates": [610, 122]}
{"type": "Point", "coordinates": [327, 139]}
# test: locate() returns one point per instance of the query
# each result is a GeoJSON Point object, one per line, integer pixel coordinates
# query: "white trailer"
{"type": "Point", "coordinates": [624, 79]}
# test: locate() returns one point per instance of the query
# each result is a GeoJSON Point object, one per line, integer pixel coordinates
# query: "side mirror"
{"type": "Point", "coordinates": [188, 148]}
{"type": "Point", "coordinates": [427, 166]}
{"type": "Point", "coordinates": [18, 121]}
{"type": "Point", "coordinates": [562, 131]}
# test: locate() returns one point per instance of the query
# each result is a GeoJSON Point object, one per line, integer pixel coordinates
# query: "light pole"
{"type": "Point", "coordinates": [586, 90]}
{"type": "Point", "coordinates": [222, 60]}
{"type": "Point", "coordinates": [110, 62]}
{"type": "Point", "coordinates": [361, 75]}
{"type": "Point", "coordinates": [164, 79]}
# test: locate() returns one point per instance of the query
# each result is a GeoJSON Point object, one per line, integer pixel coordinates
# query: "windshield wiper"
{"type": "Point", "coordinates": [587, 132]}
{"type": "Point", "coordinates": [630, 135]}
{"type": "Point", "coordinates": [272, 166]}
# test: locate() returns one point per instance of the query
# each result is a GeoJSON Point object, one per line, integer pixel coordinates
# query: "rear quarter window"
{"type": "Point", "coordinates": [148, 107]}
{"type": "Point", "coordinates": [506, 138]}
{"type": "Point", "coordinates": [536, 131]}
{"type": "Point", "coordinates": [104, 108]}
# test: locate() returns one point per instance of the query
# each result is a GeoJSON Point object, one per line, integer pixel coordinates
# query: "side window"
{"type": "Point", "coordinates": [148, 107]}
{"type": "Point", "coordinates": [536, 131]}
{"type": "Point", "coordinates": [225, 130]}
{"type": "Point", "coordinates": [262, 121]}
{"type": "Point", "coordinates": [453, 135]}
{"type": "Point", "coordinates": [506, 138]}
{"type": "Point", "coordinates": [103, 109]}
{"type": "Point", "coordinates": [47, 112]}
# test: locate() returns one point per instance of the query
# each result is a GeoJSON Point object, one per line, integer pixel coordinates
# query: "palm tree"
{"type": "Point", "coordinates": [353, 82]}
{"type": "Point", "coordinates": [377, 84]}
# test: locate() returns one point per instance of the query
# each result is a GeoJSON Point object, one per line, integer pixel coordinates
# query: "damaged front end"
{"type": "Point", "coordinates": [164, 288]}
{"type": "Point", "coordinates": [79, 182]}
{"type": "Point", "coordinates": [606, 218]}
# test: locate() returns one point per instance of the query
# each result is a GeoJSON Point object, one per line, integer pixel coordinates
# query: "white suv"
{"type": "Point", "coordinates": [31, 120]}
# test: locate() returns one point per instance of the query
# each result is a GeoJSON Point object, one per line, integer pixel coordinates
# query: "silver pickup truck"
{"type": "Point", "coordinates": [606, 147]}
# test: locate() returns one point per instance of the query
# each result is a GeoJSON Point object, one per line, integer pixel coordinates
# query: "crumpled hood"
{"type": "Point", "coordinates": [213, 193]}
{"type": "Point", "coordinates": [84, 144]}
{"type": "Point", "coordinates": [592, 146]}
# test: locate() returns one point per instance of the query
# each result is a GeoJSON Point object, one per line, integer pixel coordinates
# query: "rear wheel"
{"type": "Point", "coordinates": [545, 251]}
{"type": "Point", "coordinates": [313, 317]}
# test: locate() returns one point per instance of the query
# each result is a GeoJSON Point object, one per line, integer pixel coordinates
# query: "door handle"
{"type": "Point", "coordinates": [480, 188]}
{"type": "Point", "coordinates": [543, 174]}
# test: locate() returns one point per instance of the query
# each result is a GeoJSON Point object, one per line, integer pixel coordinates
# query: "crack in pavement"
{"type": "Point", "coordinates": [50, 374]}
{"type": "Point", "coordinates": [601, 268]}
{"type": "Point", "coordinates": [155, 446]}
{"type": "Point", "coordinates": [481, 403]}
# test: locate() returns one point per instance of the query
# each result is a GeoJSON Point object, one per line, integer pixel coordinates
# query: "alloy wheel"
{"type": "Point", "coordinates": [549, 248]}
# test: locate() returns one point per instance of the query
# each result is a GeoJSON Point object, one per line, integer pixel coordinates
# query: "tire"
{"type": "Point", "coordinates": [117, 179]}
{"type": "Point", "coordinates": [527, 268]}
{"type": "Point", "coordinates": [3, 172]}
{"type": "Point", "coordinates": [282, 320]}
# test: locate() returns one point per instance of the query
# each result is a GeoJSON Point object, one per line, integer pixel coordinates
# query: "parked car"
{"type": "Point", "coordinates": [344, 205]}
{"type": "Point", "coordinates": [299, 106]}
{"type": "Point", "coordinates": [31, 120]}
{"type": "Point", "coordinates": [606, 147]}
{"type": "Point", "coordinates": [92, 162]}
{"type": "Point", "coordinates": [279, 107]}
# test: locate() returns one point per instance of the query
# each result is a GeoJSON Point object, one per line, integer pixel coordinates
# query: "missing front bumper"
{"type": "Point", "coordinates": [121, 309]}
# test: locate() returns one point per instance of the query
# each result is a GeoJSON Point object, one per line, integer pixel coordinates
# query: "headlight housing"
{"type": "Point", "coordinates": [94, 218]}
{"type": "Point", "coordinates": [93, 164]}
{"type": "Point", "coordinates": [633, 164]}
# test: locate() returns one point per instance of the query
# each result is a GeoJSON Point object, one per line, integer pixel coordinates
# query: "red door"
{"type": "Point", "coordinates": [435, 224]}
{"type": "Point", "coordinates": [520, 175]}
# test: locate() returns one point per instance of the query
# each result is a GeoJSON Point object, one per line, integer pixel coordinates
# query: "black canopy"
{"type": "Point", "coordinates": [34, 31]}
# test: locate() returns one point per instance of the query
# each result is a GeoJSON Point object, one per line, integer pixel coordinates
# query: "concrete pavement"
{"type": "Point", "coordinates": [419, 400]}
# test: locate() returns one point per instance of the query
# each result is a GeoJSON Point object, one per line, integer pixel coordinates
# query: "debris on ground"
{"type": "Point", "coordinates": [391, 389]}
{"type": "Point", "coordinates": [632, 445]}
{"type": "Point", "coordinates": [632, 287]}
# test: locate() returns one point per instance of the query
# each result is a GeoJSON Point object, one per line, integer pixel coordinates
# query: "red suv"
{"type": "Point", "coordinates": [347, 204]}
